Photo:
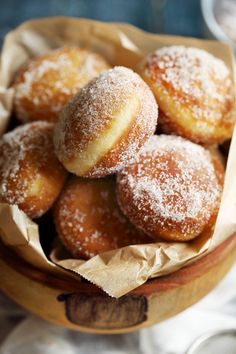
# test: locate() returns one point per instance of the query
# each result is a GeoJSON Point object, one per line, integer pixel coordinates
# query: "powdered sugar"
{"type": "Point", "coordinates": [93, 110]}
{"type": "Point", "coordinates": [89, 226]}
{"type": "Point", "coordinates": [48, 82]}
{"type": "Point", "coordinates": [192, 76]}
{"type": "Point", "coordinates": [35, 73]}
{"type": "Point", "coordinates": [173, 183]}
{"type": "Point", "coordinates": [14, 147]}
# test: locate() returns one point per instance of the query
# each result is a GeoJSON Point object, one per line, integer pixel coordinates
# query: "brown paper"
{"type": "Point", "coordinates": [116, 272]}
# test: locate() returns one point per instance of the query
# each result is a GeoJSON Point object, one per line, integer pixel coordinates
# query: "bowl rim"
{"type": "Point", "coordinates": [167, 281]}
{"type": "Point", "coordinates": [197, 343]}
{"type": "Point", "coordinates": [207, 7]}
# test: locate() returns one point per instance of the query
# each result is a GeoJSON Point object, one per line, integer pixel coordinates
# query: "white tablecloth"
{"type": "Point", "coordinates": [23, 333]}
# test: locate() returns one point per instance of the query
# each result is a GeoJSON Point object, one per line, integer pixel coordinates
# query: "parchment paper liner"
{"type": "Point", "coordinates": [116, 272]}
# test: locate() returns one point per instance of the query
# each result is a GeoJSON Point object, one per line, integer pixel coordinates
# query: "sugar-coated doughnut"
{"type": "Point", "coordinates": [106, 124]}
{"type": "Point", "coordinates": [194, 92]}
{"type": "Point", "coordinates": [30, 174]}
{"type": "Point", "coordinates": [46, 83]}
{"type": "Point", "coordinates": [89, 221]}
{"type": "Point", "coordinates": [172, 190]}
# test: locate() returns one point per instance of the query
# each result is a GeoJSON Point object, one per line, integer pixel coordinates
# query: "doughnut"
{"type": "Point", "coordinates": [172, 190]}
{"type": "Point", "coordinates": [194, 92]}
{"type": "Point", "coordinates": [88, 219]}
{"type": "Point", "coordinates": [106, 124]}
{"type": "Point", "coordinates": [30, 174]}
{"type": "Point", "coordinates": [45, 84]}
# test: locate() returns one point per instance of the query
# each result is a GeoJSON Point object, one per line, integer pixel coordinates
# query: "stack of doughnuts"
{"type": "Point", "coordinates": [90, 149]}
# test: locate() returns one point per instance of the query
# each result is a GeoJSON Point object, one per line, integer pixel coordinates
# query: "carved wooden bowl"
{"type": "Point", "coordinates": [84, 307]}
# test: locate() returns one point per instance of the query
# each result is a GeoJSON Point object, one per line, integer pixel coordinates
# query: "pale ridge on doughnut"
{"type": "Point", "coordinates": [49, 81]}
{"type": "Point", "coordinates": [113, 108]}
{"type": "Point", "coordinates": [175, 186]}
{"type": "Point", "coordinates": [87, 159]}
{"type": "Point", "coordinates": [191, 87]}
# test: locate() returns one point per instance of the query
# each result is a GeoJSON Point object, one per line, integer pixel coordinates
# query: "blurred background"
{"type": "Point", "coordinates": [195, 18]}
{"type": "Point", "coordinates": [182, 17]}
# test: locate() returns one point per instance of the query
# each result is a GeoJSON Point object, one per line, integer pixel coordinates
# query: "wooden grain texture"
{"type": "Point", "coordinates": [100, 311]}
{"type": "Point", "coordinates": [87, 308]}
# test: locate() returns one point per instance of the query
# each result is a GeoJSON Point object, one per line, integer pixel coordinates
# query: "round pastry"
{"type": "Point", "coordinates": [172, 190]}
{"type": "Point", "coordinates": [89, 221]}
{"type": "Point", "coordinates": [30, 174]}
{"type": "Point", "coordinates": [46, 83]}
{"type": "Point", "coordinates": [106, 124]}
{"type": "Point", "coordinates": [194, 92]}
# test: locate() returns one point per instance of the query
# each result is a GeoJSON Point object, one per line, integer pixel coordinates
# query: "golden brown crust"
{"type": "Point", "coordinates": [89, 221]}
{"type": "Point", "coordinates": [46, 83]}
{"type": "Point", "coordinates": [172, 191]}
{"type": "Point", "coordinates": [194, 91]}
{"type": "Point", "coordinates": [30, 174]}
{"type": "Point", "coordinates": [106, 124]}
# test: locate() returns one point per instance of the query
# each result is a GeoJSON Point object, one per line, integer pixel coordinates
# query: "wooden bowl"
{"type": "Point", "coordinates": [84, 307]}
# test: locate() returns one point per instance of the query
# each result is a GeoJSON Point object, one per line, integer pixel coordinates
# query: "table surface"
{"type": "Point", "coordinates": [182, 17]}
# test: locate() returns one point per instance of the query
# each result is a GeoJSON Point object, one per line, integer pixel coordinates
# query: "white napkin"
{"type": "Point", "coordinates": [35, 336]}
